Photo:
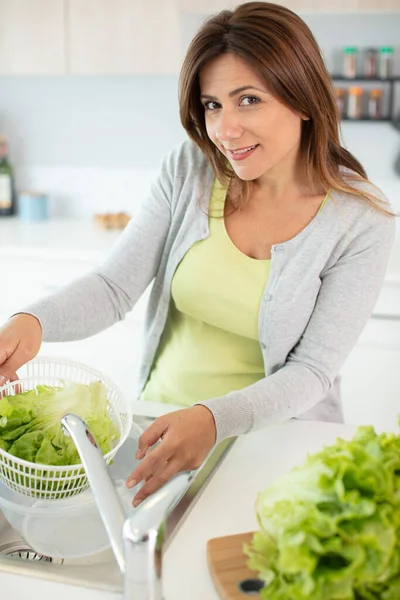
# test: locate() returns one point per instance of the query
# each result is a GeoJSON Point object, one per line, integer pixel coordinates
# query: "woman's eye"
{"type": "Point", "coordinates": [248, 100]}
{"type": "Point", "coordinates": [211, 105]}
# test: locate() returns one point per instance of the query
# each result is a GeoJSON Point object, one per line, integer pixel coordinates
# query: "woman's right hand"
{"type": "Point", "coordinates": [20, 340]}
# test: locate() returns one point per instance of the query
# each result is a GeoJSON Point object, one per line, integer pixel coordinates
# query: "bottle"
{"type": "Point", "coordinates": [341, 101]}
{"type": "Point", "coordinates": [375, 104]}
{"type": "Point", "coordinates": [350, 62]}
{"type": "Point", "coordinates": [7, 196]}
{"type": "Point", "coordinates": [371, 62]}
{"type": "Point", "coordinates": [385, 62]}
{"type": "Point", "coordinates": [354, 104]}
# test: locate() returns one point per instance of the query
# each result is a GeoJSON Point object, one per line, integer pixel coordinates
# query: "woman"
{"type": "Point", "coordinates": [266, 244]}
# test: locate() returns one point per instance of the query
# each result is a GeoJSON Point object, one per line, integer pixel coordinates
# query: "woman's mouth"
{"type": "Point", "coordinates": [241, 153]}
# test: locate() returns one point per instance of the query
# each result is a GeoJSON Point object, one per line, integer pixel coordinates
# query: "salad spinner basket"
{"type": "Point", "coordinates": [51, 482]}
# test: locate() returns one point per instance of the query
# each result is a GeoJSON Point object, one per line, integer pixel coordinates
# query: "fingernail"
{"type": "Point", "coordinates": [131, 483]}
{"type": "Point", "coordinates": [2, 380]}
{"type": "Point", "coordinates": [136, 503]}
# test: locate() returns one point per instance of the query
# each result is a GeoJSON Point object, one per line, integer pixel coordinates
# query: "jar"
{"type": "Point", "coordinates": [385, 62]}
{"type": "Point", "coordinates": [371, 62]}
{"type": "Point", "coordinates": [375, 104]}
{"type": "Point", "coordinates": [33, 206]}
{"type": "Point", "coordinates": [354, 104]}
{"type": "Point", "coordinates": [350, 62]}
{"type": "Point", "coordinates": [341, 101]}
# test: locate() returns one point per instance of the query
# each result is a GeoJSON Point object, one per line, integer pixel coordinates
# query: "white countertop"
{"type": "Point", "coordinates": [69, 238]}
{"type": "Point", "coordinates": [226, 507]}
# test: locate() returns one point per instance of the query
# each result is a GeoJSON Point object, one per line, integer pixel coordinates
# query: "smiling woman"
{"type": "Point", "coordinates": [264, 240]}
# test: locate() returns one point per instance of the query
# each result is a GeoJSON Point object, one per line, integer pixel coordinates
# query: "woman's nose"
{"type": "Point", "coordinates": [228, 128]}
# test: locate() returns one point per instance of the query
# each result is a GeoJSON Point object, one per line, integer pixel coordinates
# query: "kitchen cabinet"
{"type": "Point", "coordinates": [123, 37]}
{"type": "Point", "coordinates": [32, 37]}
{"type": "Point", "coordinates": [213, 6]}
{"type": "Point", "coordinates": [94, 37]}
{"type": "Point", "coordinates": [371, 376]}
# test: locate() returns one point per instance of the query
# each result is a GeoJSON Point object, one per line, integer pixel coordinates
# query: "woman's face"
{"type": "Point", "coordinates": [259, 135]}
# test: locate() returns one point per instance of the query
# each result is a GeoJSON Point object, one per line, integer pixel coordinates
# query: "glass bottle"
{"type": "Point", "coordinates": [341, 101]}
{"type": "Point", "coordinates": [350, 62]}
{"type": "Point", "coordinates": [355, 102]}
{"type": "Point", "coordinates": [375, 104]}
{"type": "Point", "coordinates": [371, 62]}
{"type": "Point", "coordinates": [385, 62]}
{"type": "Point", "coordinates": [7, 196]}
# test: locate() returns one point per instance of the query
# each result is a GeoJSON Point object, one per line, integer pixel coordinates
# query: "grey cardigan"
{"type": "Point", "coordinates": [322, 288]}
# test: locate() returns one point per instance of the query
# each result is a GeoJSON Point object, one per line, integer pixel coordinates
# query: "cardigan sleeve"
{"type": "Point", "coordinates": [97, 300]}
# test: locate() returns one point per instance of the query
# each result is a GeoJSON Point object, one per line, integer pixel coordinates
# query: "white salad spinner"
{"type": "Point", "coordinates": [55, 482]}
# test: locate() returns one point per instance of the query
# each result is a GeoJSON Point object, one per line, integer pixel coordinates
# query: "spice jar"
{"type": "Point", "coordinates": [375, 104]}
{"type": "Point", "coordinates": [354, 104]}
{"type": "Point", "coordinates": [341, 101]}
{"type": "Point", "coordinates": [385, 62]}
{"type": "Point", "coordinates": [350, 62]}
{"type": "Point", "coordinates": [371, 62]}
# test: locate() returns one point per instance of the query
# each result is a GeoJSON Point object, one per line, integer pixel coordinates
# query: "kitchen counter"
{"type": "Point", "coordinates": [67, 238]}
{"type": "Point", "coordinates": [226, 507]}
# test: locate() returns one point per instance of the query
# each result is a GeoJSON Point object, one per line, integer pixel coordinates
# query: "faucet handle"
{"type": "Point", "coordinates": [151, 513]}
{"type": "Point", "coordinates": [142, 535]}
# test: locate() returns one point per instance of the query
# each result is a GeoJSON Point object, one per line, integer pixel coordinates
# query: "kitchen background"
{"type": "Point", "coordinates": [89, 105]}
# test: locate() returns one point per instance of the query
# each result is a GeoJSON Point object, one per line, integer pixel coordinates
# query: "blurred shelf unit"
{"type": "Point", "coordinates": [389, 104]}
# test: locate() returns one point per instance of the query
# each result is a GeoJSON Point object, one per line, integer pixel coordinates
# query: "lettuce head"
{"type": "Point", "coordinates": [330, 528]}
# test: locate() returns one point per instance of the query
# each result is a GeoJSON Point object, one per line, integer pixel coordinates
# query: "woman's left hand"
{"type": "Point", "coordinates": [187, 437]}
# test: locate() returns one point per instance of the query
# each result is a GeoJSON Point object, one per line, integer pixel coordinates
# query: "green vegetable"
{"type": "Point", "coordinates": [330, 529]}
{"type": "Point", "coordinates": [30, 422]}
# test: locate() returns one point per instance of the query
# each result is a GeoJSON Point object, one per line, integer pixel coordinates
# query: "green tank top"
{"type": "Point", "coordinates": [210, 343]}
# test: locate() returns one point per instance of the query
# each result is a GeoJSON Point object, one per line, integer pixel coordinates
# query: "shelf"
{"type": "Point", "coordinates": [381, 120]}
{"type": "Point", "coordinates": [390, 82]}
{"type": "Point", "coordinates": [366, 79]}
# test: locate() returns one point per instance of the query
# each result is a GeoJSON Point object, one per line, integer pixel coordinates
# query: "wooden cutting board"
{"type": "Point", "coordinates": [227, 564]}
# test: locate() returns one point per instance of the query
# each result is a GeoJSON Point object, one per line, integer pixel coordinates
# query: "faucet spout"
{"type": "Point", "coordinates": [136, 540]}
{"type": "Point", "coordinates": [108, 503]}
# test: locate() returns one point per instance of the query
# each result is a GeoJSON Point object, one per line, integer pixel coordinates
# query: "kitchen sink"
{"type": "Point", "coordinates": [100, 571]}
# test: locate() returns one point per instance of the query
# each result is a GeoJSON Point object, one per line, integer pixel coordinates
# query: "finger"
{"type": "Point", "coordinates": [160, 469]}
{"type": "Point", "coordinates": [150, 437]}
{"type": "Point", "coordinates": [8, 372]}
{"type": "Point", "coordinates": [153, 462]}
{"type": "Point", "coordinates": [158, 480]}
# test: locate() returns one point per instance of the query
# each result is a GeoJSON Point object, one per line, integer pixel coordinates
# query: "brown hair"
{"type": "Point", "coordinates": [280, 46]}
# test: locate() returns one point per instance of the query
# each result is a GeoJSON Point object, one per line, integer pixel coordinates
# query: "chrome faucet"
{"type": "Point", "coordinates": [137, 540]}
